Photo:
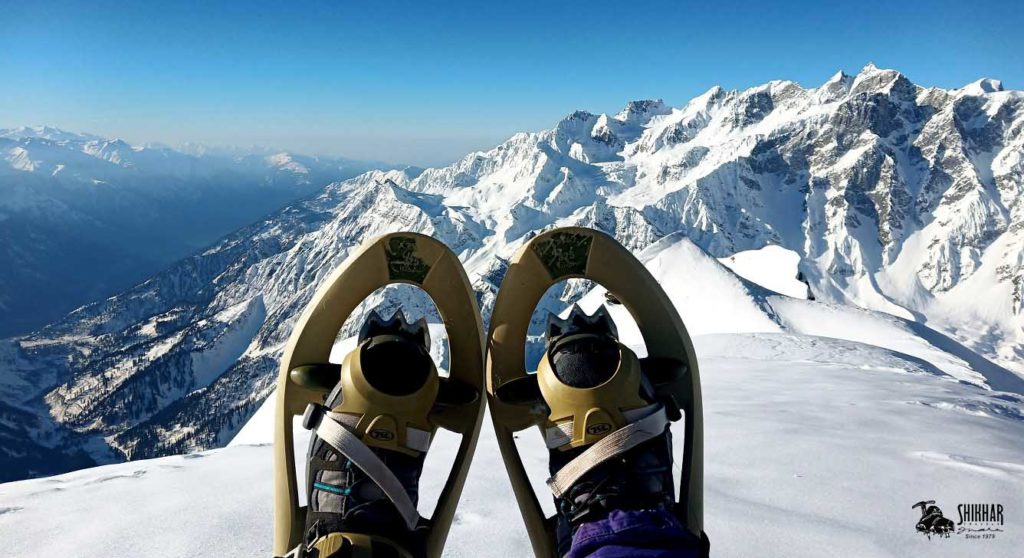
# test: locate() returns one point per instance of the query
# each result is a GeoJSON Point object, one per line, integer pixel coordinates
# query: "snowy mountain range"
{"type": "Point", "coordinates": [889, 196]}
{"type": "Point", "coordinates": [83, 217]}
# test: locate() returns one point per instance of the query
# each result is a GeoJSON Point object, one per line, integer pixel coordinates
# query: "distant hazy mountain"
{"type": "Point", "coordinates": [895, 197]}
{"type": "Point", "coordinates": [82, 217]}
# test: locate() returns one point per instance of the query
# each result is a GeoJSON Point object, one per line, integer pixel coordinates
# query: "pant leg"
{"type": "Point", "coordinates": [639, 533]}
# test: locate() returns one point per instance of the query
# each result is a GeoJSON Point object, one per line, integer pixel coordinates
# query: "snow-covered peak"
{"type": "Point", "coordinates": [869, 68]}
{"type": "Point", "coordinates": [704, 100]}
{"type": "Point", "coordinates": [837, 87]}
{"type": "Point", "coordinates": [124, 154]}
{"type": "Point", "coordinates": [838, 77]}
{"type": "Point", "coordinates": [286, 162]}
{"type": "Point", "coordinates": [46, 132]}
{"type": "Point", "coordinates": [641, 111]}
{"type": "Point", "coordinates": [428, 203]}
{"type": "Point", "coordinates": [575, 123]}
{"type": "Point", "coordinates": [982, 86]}
{"type": "Point", "coordinates": [19, 159]}
{"type": "Point", "coordinates": [872, 79]}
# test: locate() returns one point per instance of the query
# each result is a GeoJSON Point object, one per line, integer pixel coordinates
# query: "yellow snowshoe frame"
{"type": "Point", "coordinates": [394, 258]}
{"type": "Point", "coordinates": [575, 252]}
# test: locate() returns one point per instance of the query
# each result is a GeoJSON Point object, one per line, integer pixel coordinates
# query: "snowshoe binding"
{"type": "Point", "coordinates": [603, 412]}
{"type": "Point", "coordinates": [374, 415]}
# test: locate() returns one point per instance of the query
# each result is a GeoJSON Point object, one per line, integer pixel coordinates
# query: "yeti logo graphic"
{"type": "Point", "coordinates": [932, 521]}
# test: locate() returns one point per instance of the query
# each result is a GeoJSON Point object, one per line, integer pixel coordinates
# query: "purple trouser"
{"type": "Point", "coordinates": [640, 533]}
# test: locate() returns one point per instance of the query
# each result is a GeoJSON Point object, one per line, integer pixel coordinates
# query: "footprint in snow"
{"type": "Point", "coordinates": [134, 475]}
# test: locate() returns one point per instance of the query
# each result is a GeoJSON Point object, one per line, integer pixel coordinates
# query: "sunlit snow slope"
{"type": "Point", "coordinates": [815, 446]}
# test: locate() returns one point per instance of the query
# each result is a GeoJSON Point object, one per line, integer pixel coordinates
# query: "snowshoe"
{"type": "Point", "coordinates": [612, 420]}
{"type": "Point", "coordinates": [374, 415]}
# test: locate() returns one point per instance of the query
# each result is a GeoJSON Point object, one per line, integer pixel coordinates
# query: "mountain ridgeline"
{"type": "Point", "coordinates": [898, 198]}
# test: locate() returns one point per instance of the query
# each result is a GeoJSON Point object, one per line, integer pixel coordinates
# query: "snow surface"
{"type": "Point", "coordinates": [772, 267]}
{"type": "Point", "coordinates": [815, 446]}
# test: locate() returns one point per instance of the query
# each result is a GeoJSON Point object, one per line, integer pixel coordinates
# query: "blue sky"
{"type": "Point", "coordinates": [425, 82]}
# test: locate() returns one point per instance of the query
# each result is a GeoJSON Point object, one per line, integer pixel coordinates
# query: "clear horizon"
{"type": "Point", "coordinates": [409, 83]}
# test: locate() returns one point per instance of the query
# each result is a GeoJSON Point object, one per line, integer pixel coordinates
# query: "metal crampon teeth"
{"type": "Point", "coordinates": [417, 331]}
{"type": "Point", "coordinates": [599, 323]}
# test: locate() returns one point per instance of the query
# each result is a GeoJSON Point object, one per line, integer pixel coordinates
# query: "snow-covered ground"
{"type": "Point", "coordinates": [815, 446]}
{"type": "Point", "coordinates": [772, 267]}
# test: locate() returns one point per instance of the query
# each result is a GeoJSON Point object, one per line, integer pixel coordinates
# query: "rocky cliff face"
{"type": "Point", "coordinates": [898, 198]}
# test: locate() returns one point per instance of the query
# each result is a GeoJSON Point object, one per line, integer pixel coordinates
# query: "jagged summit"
{"type": "Point", "coordinates": [872, 79]}
{"type": "Point", "coordinates": [871, 70]}
{"type": "Point", "coordinates": [838, 77]}
{"type": "Point", "coordinates": [642, 110]}
{"type": "Point", "coordinates": [714, 92]}
{"type": "Point", "coordinates": [837, 87]}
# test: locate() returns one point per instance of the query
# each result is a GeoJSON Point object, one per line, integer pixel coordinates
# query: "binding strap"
{"type": "Point", "coordinates": [560, 434]}
{"type": "Point", "coordinates": [616, 443]}
{"type": "Point", "coordinates": [415, 439]}
{"type": "Point", "coordinates": [335, 433]}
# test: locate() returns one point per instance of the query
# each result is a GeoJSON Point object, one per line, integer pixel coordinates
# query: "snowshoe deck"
{"type": "Point", "coordinates": [306, 376]}
{"type": "Point", "coordinates": [671, 365]}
